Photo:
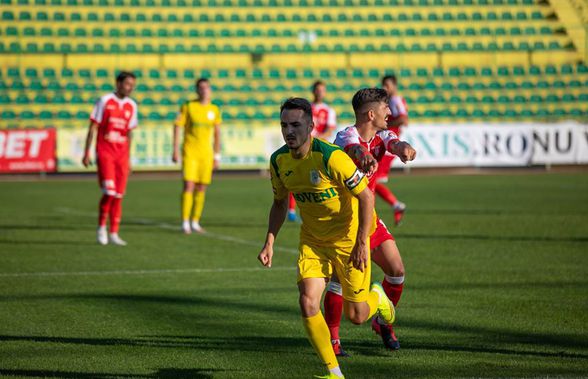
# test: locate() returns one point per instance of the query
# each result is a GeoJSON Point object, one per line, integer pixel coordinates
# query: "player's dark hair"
{"type": "Point", "coordinates": [298, 103]}
{"type": "Point", "coordinates": [392, 78]}
{"type": "Point", "coordinates": [316, 84]}
{"type": "Point", "coordinates": [368, 95]}
{"type": "Point", "coordinates": [200, 81]}
{"type": "Point", "coordinates": [123, 75]}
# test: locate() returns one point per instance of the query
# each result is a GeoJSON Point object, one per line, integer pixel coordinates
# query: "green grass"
{"type": "Point", "coordinates": [497, 284]}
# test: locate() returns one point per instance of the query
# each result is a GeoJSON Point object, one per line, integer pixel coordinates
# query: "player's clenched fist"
{"type": "Point", "coordinates": [368, 164]}
{"type": "Point", "coordinates": [265, 256]}
{"type": "Point", "coordinates": [405, 152]}
{"type": "Point", "coordinates": [86, 161]}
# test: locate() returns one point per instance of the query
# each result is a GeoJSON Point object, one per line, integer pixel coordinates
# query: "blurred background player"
{"type": "Point", "coordinates": [325, 123]}
{"type": "Point", "coordinates": [396, 121]}
{"type": "Point", "coordinates": [200, 152]}
{"type": "Point", "coordinates": [112, 119]}
{"type": "Point", "coordinates": [367, 142]}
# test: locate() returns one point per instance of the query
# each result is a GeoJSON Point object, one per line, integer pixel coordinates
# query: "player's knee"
{"type": "Point", "coordinates": [355, 317]}
{"type": "Point", "coordinates": [309, 306]}
{"type": "Point", "coordinates": [395, 270]}
{"type": "Point", "coordinates": [189, 186]}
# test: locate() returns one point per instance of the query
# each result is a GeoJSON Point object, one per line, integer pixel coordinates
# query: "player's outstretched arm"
{"type": "Point", "coordinates": [403, 150]}
{"type": "Point", "coordinates": [276, 219]}
{"type": "Point", "coordinates": [365, 160]}
{"type": "Point", "coordinates": [86, 161]}
{"type": "Point", "coordinates": [361, 252]}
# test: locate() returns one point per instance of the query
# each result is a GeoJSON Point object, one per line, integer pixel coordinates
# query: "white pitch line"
{"type": "Point", "coordinates": [167, 226]}
{"type": "Point", "coordinates": [141, 272]}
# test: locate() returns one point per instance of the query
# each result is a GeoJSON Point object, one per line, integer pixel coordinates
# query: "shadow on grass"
{"type": "Point", "coordinates": [494, 337]}
{"type": "Point", "coordinates": [481, 237]}
{"type": "Point", "coordinates": [164, 373]}
{"type": "Point", "coordinates": [247, 343]}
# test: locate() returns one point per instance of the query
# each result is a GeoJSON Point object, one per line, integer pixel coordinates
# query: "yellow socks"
{"type": "Point", "coordinates": [373, 301]}
{"type": "Point", "coordinates": [187, 202]}
{"type": "Point", "coordinates": [198, 204]}
{"type": "Point", "coordinates": [320, 338]}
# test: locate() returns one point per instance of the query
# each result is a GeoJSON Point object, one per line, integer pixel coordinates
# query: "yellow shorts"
{"type": "Point", "coordinates": [320, 262]}
{"type": "Point", "coordinates": [197, 169]}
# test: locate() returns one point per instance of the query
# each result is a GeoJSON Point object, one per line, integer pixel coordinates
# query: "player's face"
{"type": "Point", "coordinates": [319, 93]}
{"type": "Point", "coordinates": [296, 127]}
{"type": "Point", "coordinates": [204, 91]}
{"type": "Point", "coordinates": [126, 87]}
{"type": "Point", "coordinates": [381, 112]}
{"type": "Point", "coordinates": [390, 87]}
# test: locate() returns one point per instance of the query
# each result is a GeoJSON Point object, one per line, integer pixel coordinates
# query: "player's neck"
{"type": "Point", "coordinates": [303, 150]}
{"type": "Point", "coordinates": [119, 95]}
{"type": "Point", "coordinates": [204, 101]}
{"type": "Point", "coordinates": [366, 131]}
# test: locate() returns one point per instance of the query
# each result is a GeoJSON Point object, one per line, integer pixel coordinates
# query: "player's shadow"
{"type": "Point", "coordinates": [164, 373]}
{"type": "Point", "coordinates": [252, 343]}
{"type": "Point", "coordinates": [482, 237]}
{"type": "Point", "coordinates": [495, 338]}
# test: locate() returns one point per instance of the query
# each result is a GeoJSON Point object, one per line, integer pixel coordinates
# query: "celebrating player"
{"type": "Point", "coordinates": [337, 212]}
{"type": "Point", "coordinates": [367, 142]}
{"type": "Point", "coordinates": [201, 122]}
{"type": "Point", "coordinates": [113, 118]}
{"type": "Point", "coordinates": [325, 122]}
{"type": "Point", "coordinates": [396, 121]}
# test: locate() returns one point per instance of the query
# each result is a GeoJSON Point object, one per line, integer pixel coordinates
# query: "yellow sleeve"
{"type": "Point", "coordinates": [280, 192]}
{"type": "Point", "coordinates": [219, 118]}
{"type": "Point", "coordinates": [345, 172]}
{"type": "Point", "coordinates": [182, 117]}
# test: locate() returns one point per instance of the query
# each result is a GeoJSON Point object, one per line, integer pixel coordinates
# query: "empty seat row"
{"type": "Point", "coordinates": [265, 3]}
{"type": "Point", "coordinates": [269, 18]}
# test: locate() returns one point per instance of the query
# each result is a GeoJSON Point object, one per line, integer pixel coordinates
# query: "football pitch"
{"type": "Point", "coordinates": [496, 283]}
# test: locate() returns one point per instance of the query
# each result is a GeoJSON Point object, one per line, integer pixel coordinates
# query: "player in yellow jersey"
{"type": "Point", "coordinates": [337, 211]}
{"type": "Point", "coordinates": [200, 153]}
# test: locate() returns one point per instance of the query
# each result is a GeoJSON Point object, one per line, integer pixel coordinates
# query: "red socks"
{"type": "Point", "coordinates": [333, 308]}
{"type": "Point", "coordinates": [385, 194]}
{"type": "Point", "coordinates": [115, 214]}
{"type": "Point", "coordinates": [393, 286]}
{"type": "Point", "coordinates": [291, 203]}
{"type": "Point", "coordinates": [104, 209]}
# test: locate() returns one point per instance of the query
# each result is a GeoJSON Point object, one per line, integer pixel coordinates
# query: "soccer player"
{"type": "Point", "coordinates": [113, 118]}
{"type": "Point", "coordinates": [337, 212]}
{"type": "Point", "coordinates": [325, 122]}
{"type": "Point", "coordinates": [323, 116]}
{"type": "Point", "coordinates": [396, 121]}
{"type": "Point", "coordinates": [367, 142]}
{"type": "Point", "coordinates": [201, 123]}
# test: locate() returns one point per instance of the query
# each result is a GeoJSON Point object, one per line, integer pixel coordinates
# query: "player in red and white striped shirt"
{"type": "Point", "coordinates": [325, 122]}
{"type": "Point", "coordinates": [367, 143]}
{"type": "Point", "coordinates": [112, 119]}
{"type": "Point", "coordinates": [397, 120]}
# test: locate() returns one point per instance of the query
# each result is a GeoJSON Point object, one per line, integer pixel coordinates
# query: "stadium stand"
{"type": "Point", "coordinates": [457, 60]}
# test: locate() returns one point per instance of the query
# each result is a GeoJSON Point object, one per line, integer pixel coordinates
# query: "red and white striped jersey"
{"type": "Point", "coordinates": [377, 146]}
{"type": "Point", "coordinates": [115, 118]}
{"type": "Point", "coordinates": [324, 117]}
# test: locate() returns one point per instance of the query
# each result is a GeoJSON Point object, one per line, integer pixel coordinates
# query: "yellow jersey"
{"type": "Point", "coordinates": [198, 121]}
{"type": "Point", "coordinates": [324, 184]}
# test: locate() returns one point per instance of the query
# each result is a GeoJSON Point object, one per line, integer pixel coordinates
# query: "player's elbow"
{"type": "Point", "coordinates": [366, 198]}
